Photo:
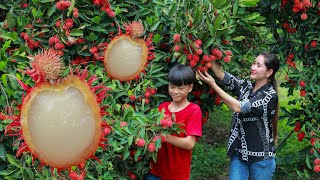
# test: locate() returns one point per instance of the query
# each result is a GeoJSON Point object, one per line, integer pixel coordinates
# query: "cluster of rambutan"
{"type": "Point", "coordinates": [298, 6]}
{"type": "Point", "coordinates": [140, 142]}
{"type": "Point", "coordinates": [56, 44]}
{"type": "Point", "coordinates": [166, 122]}
{"type": "Point", "coordinates": [289, 29]}
{"type": "Point", "coordinates": [301, 136]}
{"type": "Point", "coordinates": [32, 44]}
{"type": "Point", "coordinates": [301, 5]}
{"type": "Point", "coordinates": [195, 54]}
{"type": "Point", "coordinates": [317, 165]}
{"type": "Point", "coordinates": [67, 25]}
{"type": "Point", "coordinates": [75, 12]}
{"type": "Point", "coordinates": [303, 91]}
{"type": "Point", "coordinates": [97, 52]}
{"type": "Point", "coordinates": [104, 6]}
{"type": "Point", "coordinates": [63, 5]}
{"type": "Point", "coordinates": [147, 95]}
{"type": "Point", "coordinates": [290, 60]}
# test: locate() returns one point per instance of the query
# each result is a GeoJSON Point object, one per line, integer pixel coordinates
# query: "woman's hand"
{"type": "Point", "coordinates": [217, 70]}
{"type": "Point", "coordinates": [206, 77]}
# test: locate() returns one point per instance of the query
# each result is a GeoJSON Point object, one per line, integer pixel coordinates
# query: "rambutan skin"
{"type": "Point", "coordinates": [47, 65]}
{"type": "Point", "coordinates": [135, 29]}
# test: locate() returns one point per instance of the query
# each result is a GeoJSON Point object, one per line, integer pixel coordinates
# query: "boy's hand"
{"type": "Point", "coordinates": [206, 77]}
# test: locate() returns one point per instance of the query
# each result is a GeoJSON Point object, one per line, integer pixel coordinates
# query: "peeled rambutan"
{"type": "Point", "coordinates": [53, 117]}
{"type": "Point", "coordinates": [126, 57]}
{"type": "Point", "coordinates": [61, 124]}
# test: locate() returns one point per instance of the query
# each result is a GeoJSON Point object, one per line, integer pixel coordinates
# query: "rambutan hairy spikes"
{"type": "Point", "coordinates": [48, 65]}
{"type": "Point", "coordinates": [135, 29]}
{"type": "Point", "coordinates": [96, 158]}
{"type": "Point", "coordinates": [23, 148]}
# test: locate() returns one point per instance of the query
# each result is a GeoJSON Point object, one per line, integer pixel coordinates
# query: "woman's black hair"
{"type": "Point", "coordinates": [271, 61]}
{"type": "Point", "coordinates": [181, 75]}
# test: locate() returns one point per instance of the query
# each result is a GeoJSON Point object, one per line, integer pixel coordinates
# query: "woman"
{"type": "Point", "coordinates": [254, 127]}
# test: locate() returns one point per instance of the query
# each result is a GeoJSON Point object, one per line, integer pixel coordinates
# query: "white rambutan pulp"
{"type": "Point", "coordinates": [126, 57]}
{"type": "Point", "coordinates": [61, 123]}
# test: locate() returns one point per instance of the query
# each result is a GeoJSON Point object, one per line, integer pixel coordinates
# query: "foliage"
{"type": "Point", "coordinates": [295, 26]}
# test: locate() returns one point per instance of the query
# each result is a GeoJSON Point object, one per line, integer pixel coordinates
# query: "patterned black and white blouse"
{"type": "Point", "coordinates": [251, 134]}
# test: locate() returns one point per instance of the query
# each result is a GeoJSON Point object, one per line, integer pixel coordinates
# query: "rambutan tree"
{"type": "Point", "coordinates": [86, 33]}
{"type": "Point", "coordinates": [295, 26]}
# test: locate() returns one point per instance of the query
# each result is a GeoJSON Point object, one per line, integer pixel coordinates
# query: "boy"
{"type": "Point", "coordinates": [174, 156]}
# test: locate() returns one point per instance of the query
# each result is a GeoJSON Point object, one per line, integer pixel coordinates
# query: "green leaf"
{"type": "Point", "coordinates": [13, 36]}
{"type": "Point", "coordinates": [97, 28]}
{"type": "Point", "coordinates": [208, 43]}
{"type": "Point", "coordinates": [138, 152]}
{"type": "Point", "coordinates": [45, 1]}
{"type": "Point", "coordinates": [142, 132]}
{"type": "Point", "coordinates": [239, 38]}
{"type": "Point", "coordinates": [154, 157]}
{"type": "Point", "coordinates": [3, 7]}
{"type": "Point", "coordinates": [316, 154]}
{"type": "Point", "coordinates": [91, 37]}
{"type": "Point", "coordinates": [11, 20]}
{"type": "Point", "coordinates": [218, 3]}
{"type": "Point", "coordinates": [76, 32]}
{"type": "Point", "coordinates": [7, 172]}
{"type": "Point", "coordinates": [248, 3]}
{"type": "Point", "coordinates": [235, 8]}
{"type": "Point", "coordinates": [218, 21]}
{"type": "Point", "coordinates": [159, 2]}
{"type": "Point", "coordinates": [12, 160]}
{"type": "Point", "coordinates": [251, 16]}
{"type": "Point", "coordinates": [3, 65]}
{"type": "Point", "coordinates": [51, 10]}
{"type": "Point", "coordinates": [130, 140]}
{"type": "Point", "coordinates": [155, 26]}
{"type": "Point", "coordinates": [2, 152]}
{"type": "Point", "coordinates": [156, 38]}
{"type": "Point", "coordinates": [34, 12]}
{"type": "Point", "coordinates": [308, 161]}
{"type": "Point", "coordinates": [96, 19]}
{"type": "Point", "coordinates": [30, 173]}
{"type": "Point", "coordinates": [126, 153]}
{"type": "Point", "coordinates": [173, 9]}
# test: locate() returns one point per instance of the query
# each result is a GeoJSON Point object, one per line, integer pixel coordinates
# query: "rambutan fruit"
{"type": "Point", "coordinates": [47, 65]}
{"type": "Point", "coordinates": [135, 29]}
{"type": "Point", "coordinates": [126, 57]}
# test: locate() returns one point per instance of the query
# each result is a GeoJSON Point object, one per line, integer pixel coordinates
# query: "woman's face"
{"type": "Point", "coordinates": [259, 70]}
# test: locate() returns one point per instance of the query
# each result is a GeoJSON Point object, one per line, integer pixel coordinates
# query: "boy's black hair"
{"type": "Point", "coordinates": [181, 75]}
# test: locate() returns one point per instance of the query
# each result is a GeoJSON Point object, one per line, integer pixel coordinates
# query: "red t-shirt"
{"type": "Point", "coordinates": [174, 162]}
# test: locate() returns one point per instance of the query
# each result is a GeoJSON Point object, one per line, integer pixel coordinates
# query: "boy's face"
{"type": "Point", "coordinates": [179, 93]}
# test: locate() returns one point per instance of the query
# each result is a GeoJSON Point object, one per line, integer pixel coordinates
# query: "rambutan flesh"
{"type": "Point", "coordinates": [61, 123]}
{"type": "Point", "coordinates": [126, 57]}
